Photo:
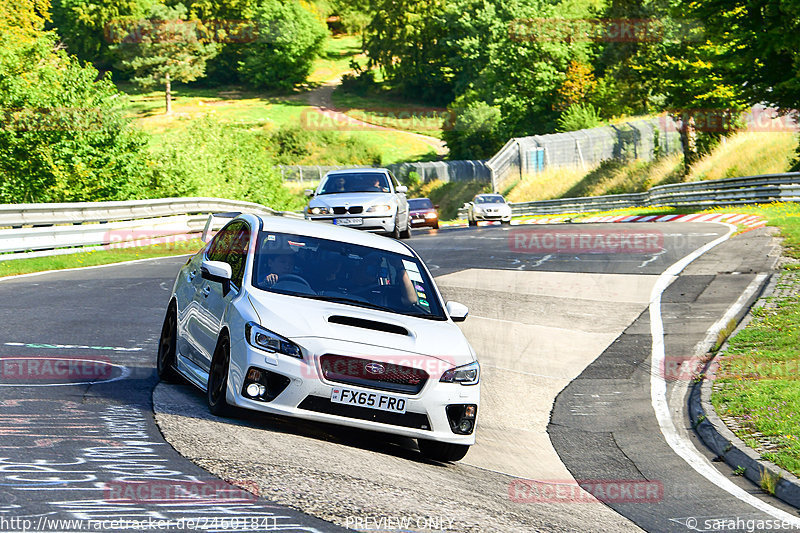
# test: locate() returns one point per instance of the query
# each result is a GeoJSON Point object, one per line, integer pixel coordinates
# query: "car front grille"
{"type": "Point", "coordinates": [319, 404]}
{"type": "Point", "coordinates": [354, 210]}
{"type": "Point", "coordinates": [385, 376]}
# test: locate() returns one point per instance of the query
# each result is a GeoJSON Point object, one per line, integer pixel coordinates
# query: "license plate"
{"type": "Point", "coordinates": [347, 221]}
{"type": "Point", "coordinates": [371, 400]}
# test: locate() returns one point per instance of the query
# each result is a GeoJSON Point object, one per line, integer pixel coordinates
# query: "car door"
{"type": "Point", "coordinates": [213, 298]}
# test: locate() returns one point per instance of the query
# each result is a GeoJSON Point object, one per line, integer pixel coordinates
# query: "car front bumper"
{"type": "Point", "coordinates": [375, 224]}
{"type": "Point", "coordinates": [492, 216]}
{"type": "Point", "coordinates": [308, 395]}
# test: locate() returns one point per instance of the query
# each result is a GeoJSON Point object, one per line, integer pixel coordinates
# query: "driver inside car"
{"type": "Point", "coordinates": [279, 265]}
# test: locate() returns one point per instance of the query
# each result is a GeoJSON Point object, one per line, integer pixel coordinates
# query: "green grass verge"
{"type": "Point", "coordinates": [98, 256]}
{"type": "Point", "coordinates": [758, 375]}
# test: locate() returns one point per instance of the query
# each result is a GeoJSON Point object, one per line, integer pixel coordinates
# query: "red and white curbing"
{"type": "Point", "coordinates": [748, 221]}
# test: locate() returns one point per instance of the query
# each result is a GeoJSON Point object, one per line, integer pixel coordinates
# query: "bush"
{"type": "Point", "coordinates": [475, 132]}
{"type": "Point", "coordinates": [579, 117]}
{"type": "Point", "coordinates": [289, 39]}
{"type": "Point", "coordinates": [294, 145]}
{"type": "Point", "coordinates": [64, 137]}
{"type": "Point", "coordinates": [213, 159]}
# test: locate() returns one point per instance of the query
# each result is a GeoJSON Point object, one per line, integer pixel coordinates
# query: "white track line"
{"type": "Point", "coordinates": [658, 394]}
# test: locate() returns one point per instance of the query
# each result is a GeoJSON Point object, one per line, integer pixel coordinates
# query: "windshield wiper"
{"type": "Point", "coordinates": [343, 300]}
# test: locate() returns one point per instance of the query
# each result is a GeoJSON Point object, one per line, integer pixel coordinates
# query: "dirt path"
{"type": "Point", "coordinates": [322, 101]}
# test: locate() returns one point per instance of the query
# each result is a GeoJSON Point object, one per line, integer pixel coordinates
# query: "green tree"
{"type": "Point", "coordinates": [163, 48]}
{"type": "Point", "coordinates": [64, 137]}
{"type": "Point", "coordinates": [759, 48]}
{"type": "Point", "coordinates": [288, 39]}
{"type": "Point", "coordinates": [475, 131]}
{"type": "Point", "coordinates": [23, 19]}
{"type": "Point", "coordinates": [87, 27]}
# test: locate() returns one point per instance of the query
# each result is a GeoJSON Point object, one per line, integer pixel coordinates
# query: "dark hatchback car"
{"type": "Point", "coordinates": [423, 213]}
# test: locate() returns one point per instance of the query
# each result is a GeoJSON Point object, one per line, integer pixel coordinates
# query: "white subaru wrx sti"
{"type": "Point", "coordinates": [323, 323]}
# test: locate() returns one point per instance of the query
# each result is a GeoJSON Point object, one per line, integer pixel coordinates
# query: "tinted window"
{"type": "Point", "coordinates": [420, 203]}
{"type": "Point", "coordinates": [230, 246]}
{"type": "Point", "coordinates": [347, 273]}
{"type": "Point", "coordinates": [355, 182]}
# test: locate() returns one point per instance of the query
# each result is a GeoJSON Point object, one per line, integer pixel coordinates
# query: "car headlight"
{"type": "Point", "coordinates": [319, 211]}
{"type": "Point", "coordinates": [430, 214]}
{"type": "Point", "coordinates": [477, 209]}
{"type": "Point", "coordinates": [379, 208]}
{"type": "Point", "coordinates": [264, 339]}
{"type": "Point", "coordinates": [466, 375]}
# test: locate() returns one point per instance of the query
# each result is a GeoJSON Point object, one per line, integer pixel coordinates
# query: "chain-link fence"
{"type": "Point", "coordinates": [445, 171]}
{"type": "Point", "coordinates": [309, 173]}
{"type": "Point", "coordinates": [641, 139]}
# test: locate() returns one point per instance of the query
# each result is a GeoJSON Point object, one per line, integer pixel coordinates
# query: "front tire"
{"type": "Point", "coordinates": [395, 234]}
{"type": "Point", "coordinates": [406, 233]}
{"type": "Point", "coordinates": [217, 388]}
{"type": "Point", "coordinates": [473, 222]}
{"type": "Point", "coordinates": [167, 343]}
{"type": "Point", "coordinates": [442, 451]}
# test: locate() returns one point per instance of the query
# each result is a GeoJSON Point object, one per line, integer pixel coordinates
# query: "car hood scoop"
{"type": "Point", "coordinates": [367, 324]}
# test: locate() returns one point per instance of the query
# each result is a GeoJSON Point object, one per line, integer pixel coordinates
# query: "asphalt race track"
{"type": "Point", "coordinates": [563, 332]}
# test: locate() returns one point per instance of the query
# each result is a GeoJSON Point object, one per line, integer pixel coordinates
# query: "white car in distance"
{"type": "Point", "coordinates": [323, 323]}
{"type": "Point", "coordinates": [488, 207]}
{"type": "Point", "coordinates": [369, 199]}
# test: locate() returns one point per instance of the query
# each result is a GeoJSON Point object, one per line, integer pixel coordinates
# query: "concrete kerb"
{"type": "Point", "coordinates": [721, 440]}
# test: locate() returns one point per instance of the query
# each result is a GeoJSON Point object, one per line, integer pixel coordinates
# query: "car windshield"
{"type": "Point", "coordinates": [328, 270]}
{"type": "Point", "coordinates": [355, 182]}
{"type": "Point", "coordinates": [420, 203]}
{"type": "Point", "coordinates": [493, 199]}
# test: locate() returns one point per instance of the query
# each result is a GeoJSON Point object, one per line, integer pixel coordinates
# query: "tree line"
{"type": "Point", "coordinates": [519, 67]}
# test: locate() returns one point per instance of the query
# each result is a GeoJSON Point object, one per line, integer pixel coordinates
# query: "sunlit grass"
{"type": "Point", "coordinates": [97, 256]}
{"type": "Point", "coordinates": [747, 154]}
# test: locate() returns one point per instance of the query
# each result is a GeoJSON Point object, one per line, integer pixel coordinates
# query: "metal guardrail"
{"type": "Point", "coordinates": [732, 191]}
{"type": "Point", "coordinates": [48, 229]}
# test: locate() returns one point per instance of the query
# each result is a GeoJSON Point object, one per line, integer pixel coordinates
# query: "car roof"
{"type": "Point", "coordinates": [329, 231]}
{"type": "Point", "coordinates": [368, 170]}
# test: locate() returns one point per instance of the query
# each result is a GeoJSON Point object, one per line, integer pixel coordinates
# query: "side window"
{"type": "Point", "coordinates": [230, 246]}
{"type": "Point", "coordinates": [238, 255]}
{"type": "Point", "coordinates": [221, 244]}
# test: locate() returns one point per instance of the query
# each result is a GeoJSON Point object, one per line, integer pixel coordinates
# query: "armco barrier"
{"type": "Point", "coordinates": [47, 229]}
{"type": "Point", "coordinates": [733, 191]}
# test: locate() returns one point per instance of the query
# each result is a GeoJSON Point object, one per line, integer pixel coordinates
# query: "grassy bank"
{"type": "Point", "coordinates": [757, 390]}
{"type": "Point", "coordinates": [743, 154]}
{"type": "Point", "coordinates": [97, 256]}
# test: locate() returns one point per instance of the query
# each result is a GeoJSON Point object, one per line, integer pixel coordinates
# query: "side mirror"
{"type": "Point", "coordinates": [216, 271]}
{"type": "Point", "coordinates": [458, 312]}
{"type": "Point", "coordinates": [466, 205]}
{"type": "Point", "coordinates": [402, 189]}
{"type": "Point", "coordinates": [309, 192]}
{"type": "Point", "coordinates": [436, 206]}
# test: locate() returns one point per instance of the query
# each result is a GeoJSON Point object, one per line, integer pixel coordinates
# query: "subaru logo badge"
{"type": "Point", "coordinates": [374, 368]}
